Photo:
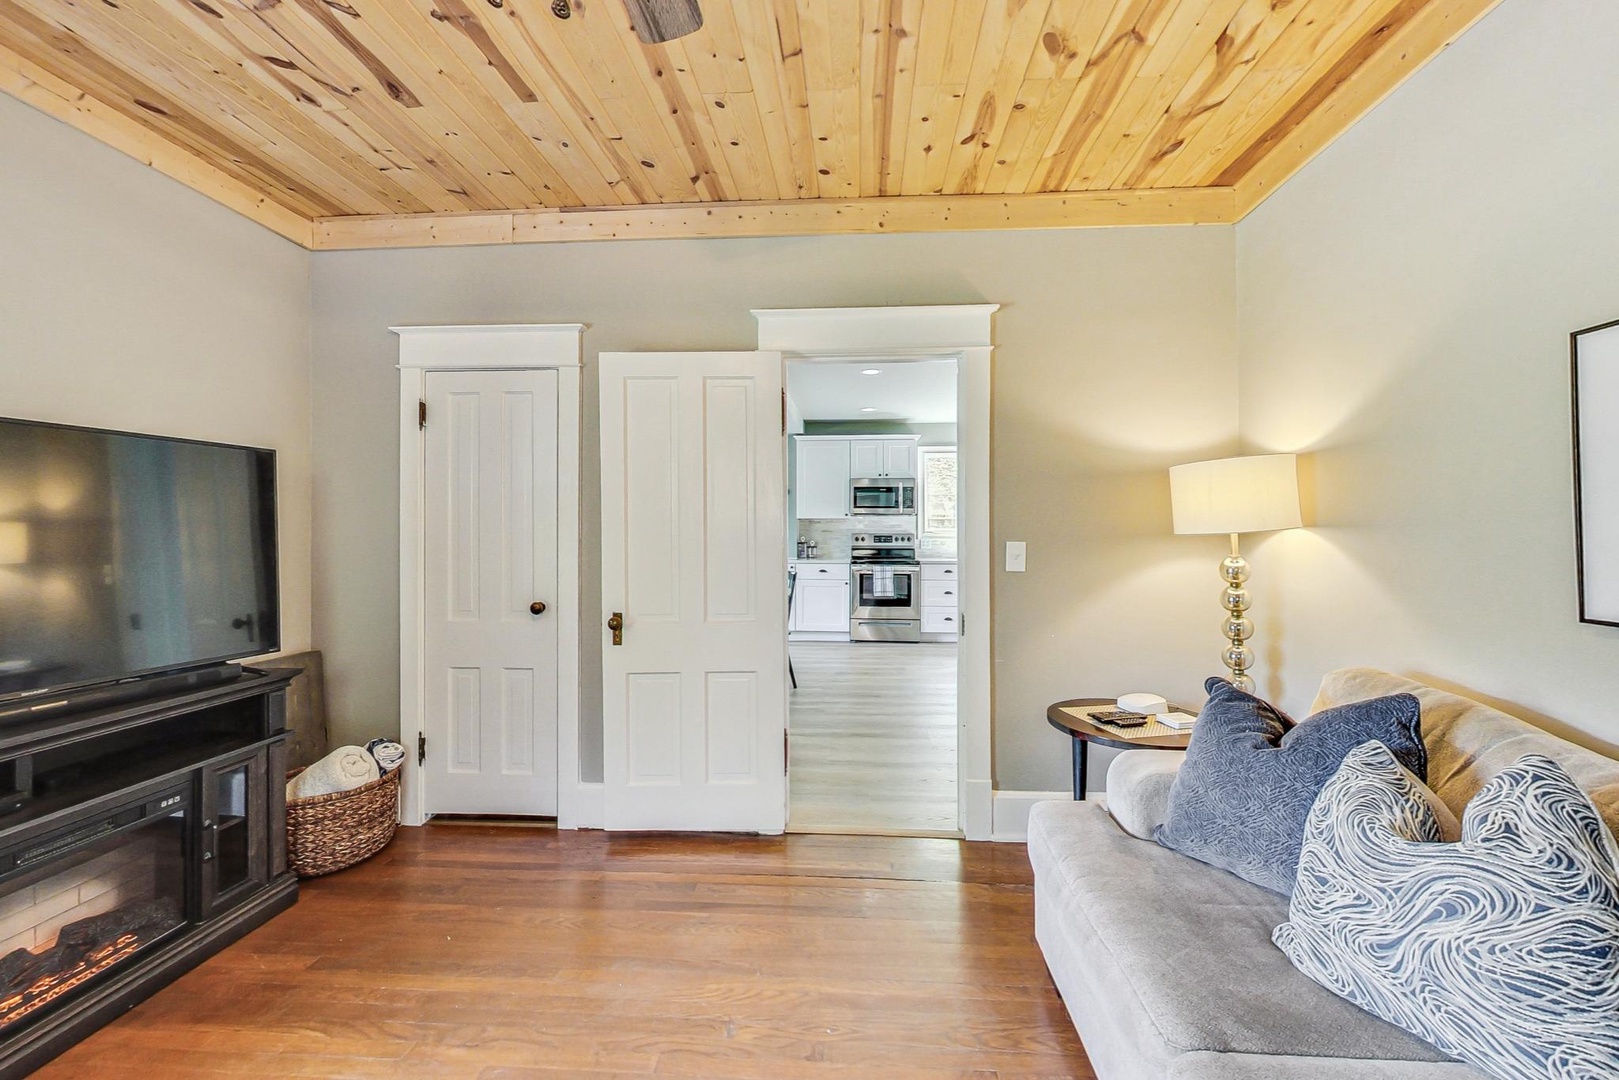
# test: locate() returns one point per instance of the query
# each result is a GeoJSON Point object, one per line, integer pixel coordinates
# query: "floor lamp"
{"type": "Point", "coordinates": [1236, 495]}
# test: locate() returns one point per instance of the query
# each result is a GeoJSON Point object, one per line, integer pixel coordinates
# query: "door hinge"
{"type": "Point", "coordinates": [784, 412]}
{"type": "Point", "coordinates": [961, 624]}
{"type": "Point", "coordinates": [421, 749]}
{"type": "Point", "coordinates": [421, 415]}
{"type": "Point", "coordinates": [784, 753]}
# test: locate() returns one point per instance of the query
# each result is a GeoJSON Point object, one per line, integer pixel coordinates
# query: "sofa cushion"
{"type": "Point", "coordinates": [1184, 950]}
{"type": "Point", "coordinates": [1502, 949]}
{"type": "Point", "coordinates": [1468, 742]}
{"type": "Point", "coordinates": [1241, 799]}
{"type": "Point", "coordinates": [1138, 783]}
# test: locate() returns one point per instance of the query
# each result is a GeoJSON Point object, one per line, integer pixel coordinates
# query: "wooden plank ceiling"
{"type": "Point", "coordinates": [347, 123]}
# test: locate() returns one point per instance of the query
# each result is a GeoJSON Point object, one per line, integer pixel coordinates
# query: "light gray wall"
{"type": "Point", "coordinates": [128, 301]}
{"type": "Point", "coordinates": [1116, 359]}
{"type": "Point", "coordinates": [1405, 306]}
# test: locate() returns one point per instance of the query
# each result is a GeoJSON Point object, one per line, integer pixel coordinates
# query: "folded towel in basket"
{"type": "Point", "coordinates": [344, 769]}
{"type": "Point", "coordinates": [389, 754]}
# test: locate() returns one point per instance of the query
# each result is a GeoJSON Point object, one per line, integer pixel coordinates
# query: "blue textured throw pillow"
{"type": "Point", "coordinates": [1241, 799]}
{"type": "Point", "coordinates": [1501, 950]}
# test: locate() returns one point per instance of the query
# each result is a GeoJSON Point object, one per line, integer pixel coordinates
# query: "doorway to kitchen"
{"type": "Point", "coordinates": [875, 615]}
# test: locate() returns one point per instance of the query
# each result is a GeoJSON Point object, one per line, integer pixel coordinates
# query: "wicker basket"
{"type": "Point", "coordinates": [326, 833]}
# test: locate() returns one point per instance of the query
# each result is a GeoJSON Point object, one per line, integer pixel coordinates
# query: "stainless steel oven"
{"type": "Point", "coordinates": [883, 495]}
{"type": "Point", "coordinates": [885, 588]}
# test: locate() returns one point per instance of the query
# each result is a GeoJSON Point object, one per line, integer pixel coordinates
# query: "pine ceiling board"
{"type": "Point", "coordinates": [1313, 41]}
{"type": "Point", "coordinates": [794, 74]}
{"type": "Point", "coordinates": [491, 46]}
{"type": "Point", "coordinates": [62, 55]}
{"type": "Point", "coordinates": [188, 68]}
{"type": "Point", "coordinates": [688, 114]}
{"type": "Point", "coordinates": [37, 87]}
{"type": "Point", "coordinates": [1073, 31]}
{"type": "Point", "coordinates": [837, 169]}
{"type": "Point", "coordinates": [1252, 29]}
{"type": "Point", "coordinates": [550, 64]}
{"type": "Point", "coordinates": [1188, 45]}
{"type": "Point", "coordinates": [287, 39]}
{"type": "Point", "coordinates": [697, 121]}
{"type": "Point", "coordinates": [791, 159]}
{"type": "Point", "coordinates": [735, 120]}
{"type": "Point", "coordinates": [424, 132]}
{"type": "Point", "coordinates": [897, 82]}
{"type": "Point", "coordinates": [1121, 51]}
{"type": "Point", "coordinates": [608, 56]}
{"type": "Point", "coordinates": [271, 57]}
{"type": "Point", "coordinates": [1006, 42]}
{"type": "Point", "coordinates": [406, 42]}
{"type": "Point", "coordinates": [1039, 105]}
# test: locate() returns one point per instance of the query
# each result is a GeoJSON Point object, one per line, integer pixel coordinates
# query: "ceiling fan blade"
{"type": "Point", "coordinates": [657, 21]}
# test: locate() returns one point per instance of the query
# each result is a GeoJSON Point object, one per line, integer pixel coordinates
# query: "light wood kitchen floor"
{"type": "Point", "coordinates": [872, 738]}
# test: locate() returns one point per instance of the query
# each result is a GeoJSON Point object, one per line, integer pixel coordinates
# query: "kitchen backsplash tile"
{"type": "Point", "coordinates": [834, 536]}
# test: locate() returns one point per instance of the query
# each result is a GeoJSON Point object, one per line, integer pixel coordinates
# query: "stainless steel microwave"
{"type": "Point", "coordinates": [882, 495]}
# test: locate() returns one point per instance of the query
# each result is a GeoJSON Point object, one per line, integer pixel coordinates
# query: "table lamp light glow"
{"type": "Point", "coordinates": [1259, 493]}
{"type": "Point", "coordinates": [13, 543]}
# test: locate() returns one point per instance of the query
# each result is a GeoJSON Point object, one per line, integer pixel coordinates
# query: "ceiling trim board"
{"type": "Point", "coordinates": [787, 217]}
{"type": "Point", "coordinates": [33, 86]}
{"type": "Point", "coordinates": [1429, 32]}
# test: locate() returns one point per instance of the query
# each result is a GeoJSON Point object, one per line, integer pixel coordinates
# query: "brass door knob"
{"type": "Point", "coordinates": [537, 608]}
{"type": "Point", "coordinates": [616, 625]}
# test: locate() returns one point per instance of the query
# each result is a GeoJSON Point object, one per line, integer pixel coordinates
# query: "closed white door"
{"type": "Point", "coordinates": [694, 688]}
{"type": "Point", "coordinates": [865, 459]}
{"type": "Point", "coordinates": [823, 478]}
{"type": "Point", "coordinates": [490, 582]}
{"type": "Point", "coordinates": [899, 457]}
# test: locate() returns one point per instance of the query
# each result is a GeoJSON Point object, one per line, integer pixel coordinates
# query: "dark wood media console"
{"type": "Point", "coordinates": [135, 842]}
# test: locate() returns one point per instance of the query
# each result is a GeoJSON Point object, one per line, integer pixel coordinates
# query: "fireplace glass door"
{"type": "Point", "coordinates": [79, 902]}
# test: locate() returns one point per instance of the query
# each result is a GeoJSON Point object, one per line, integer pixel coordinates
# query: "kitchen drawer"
{"type": "Point", "coordinates": [939, 620]}
{"type": "Point", "coordinates": [942, 594]}
{"type": "Point", "coordinates": [816, 571]}
{"type": "Point", "coordinates": [938, 571]}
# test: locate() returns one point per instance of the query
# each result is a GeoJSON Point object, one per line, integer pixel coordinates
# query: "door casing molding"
{"type": "Point", "coordinates": [964, 333]}
{"type": "Point", "coordinates": [490, 348]}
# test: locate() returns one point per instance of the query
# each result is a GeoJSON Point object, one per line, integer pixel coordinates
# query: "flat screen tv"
{"type": "Point", "coordinates": [124, 556]}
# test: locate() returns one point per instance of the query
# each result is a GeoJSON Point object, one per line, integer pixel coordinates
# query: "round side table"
{"type": "Point", "coordinates": [1083, 732]}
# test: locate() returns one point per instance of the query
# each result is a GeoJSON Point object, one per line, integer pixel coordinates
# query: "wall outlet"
{"type": "Point", "coordinates": [1017, 556]}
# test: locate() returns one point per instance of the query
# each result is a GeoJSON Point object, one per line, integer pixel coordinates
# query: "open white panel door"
{"type": "Point", "coordinates": [694, 697]}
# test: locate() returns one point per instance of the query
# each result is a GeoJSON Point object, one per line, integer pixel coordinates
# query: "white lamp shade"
{"type": "Point", "coordinates": [13, 543]}
{"type": "Point", "coordinates": [1236, 495]}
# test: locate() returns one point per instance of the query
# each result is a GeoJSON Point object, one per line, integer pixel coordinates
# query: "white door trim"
{"type": "Point", "coordinates": [965, 333]}
{"type": "Point", "coordinates": [462, 348]}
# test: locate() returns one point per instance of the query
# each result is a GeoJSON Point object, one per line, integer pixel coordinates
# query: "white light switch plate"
{"type": "Point", "coordinates": [1017, 556]}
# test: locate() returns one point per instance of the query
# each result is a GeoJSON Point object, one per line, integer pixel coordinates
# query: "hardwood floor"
{"type": "Point", "coordinates": [872, 738]}
{"type": "Point", "coordinates": [500, 954]}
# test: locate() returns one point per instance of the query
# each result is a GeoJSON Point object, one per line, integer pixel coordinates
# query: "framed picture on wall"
{"type": "Point", "coordinates": [1595, 379]}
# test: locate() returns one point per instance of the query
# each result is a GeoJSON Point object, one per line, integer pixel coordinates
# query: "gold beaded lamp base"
{"type": "Point", "coordinates": [1237, 627]}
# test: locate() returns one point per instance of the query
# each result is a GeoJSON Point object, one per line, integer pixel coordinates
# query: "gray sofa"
{"type": "Point", "coordinates": [1167, 966]}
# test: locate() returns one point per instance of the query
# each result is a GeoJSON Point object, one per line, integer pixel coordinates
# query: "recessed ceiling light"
{"type": "Point", "coordinates": [872, 371]}
{"type": "Point", "coordinates": [868, 410]}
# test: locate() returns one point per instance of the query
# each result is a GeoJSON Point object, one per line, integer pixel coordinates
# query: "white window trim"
{"type": "Point", "coordinates": [964, 333]}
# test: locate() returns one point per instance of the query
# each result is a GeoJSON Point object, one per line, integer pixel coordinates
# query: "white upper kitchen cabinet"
{"type": "Point", "coordinates": [899, 457]}
{"type": "Point", "coordinates": [823, 478]}
{"type": "Point", "coordinates": [870, 458]}
{"type": "Point", "coordinates": [865, 458]}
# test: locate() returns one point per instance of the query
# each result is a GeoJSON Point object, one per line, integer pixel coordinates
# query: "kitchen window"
{"type": "Point", "coordinates": [937, 472]}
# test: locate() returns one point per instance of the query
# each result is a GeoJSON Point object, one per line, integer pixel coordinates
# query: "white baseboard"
{"type": "Point", "coordinates": [1012, 813]}
{"type": "Point", "coordinates": [977, 810]}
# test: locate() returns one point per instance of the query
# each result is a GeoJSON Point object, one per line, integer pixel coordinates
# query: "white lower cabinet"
{"type": "Point", "coordinates": [941, 599]}
{"type": "Point", "coordinates": [821, 598]}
